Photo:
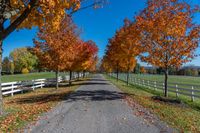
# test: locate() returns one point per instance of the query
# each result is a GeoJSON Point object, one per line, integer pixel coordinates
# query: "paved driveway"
{"type": "Point", "coordinates": [96, 107]}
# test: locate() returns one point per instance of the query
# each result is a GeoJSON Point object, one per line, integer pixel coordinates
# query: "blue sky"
{"type": "Point", "coordinates": [98, 25]}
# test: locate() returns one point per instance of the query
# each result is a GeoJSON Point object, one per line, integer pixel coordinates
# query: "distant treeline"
{"type": "Point", "coordinates": [187, 71]}
{"type": "Point", "coordinates": [20, 60]}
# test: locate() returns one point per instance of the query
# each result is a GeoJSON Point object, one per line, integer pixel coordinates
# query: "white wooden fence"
{"type": "Point", "coordinates": [191, 91]}
{"type": "Point", "coordinates": [10, 88]}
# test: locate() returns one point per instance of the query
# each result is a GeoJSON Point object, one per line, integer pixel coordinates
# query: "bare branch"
{"type": "Point", "coordinates": [88, 6]}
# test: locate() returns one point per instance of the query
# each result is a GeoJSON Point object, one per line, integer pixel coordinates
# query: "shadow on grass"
{"type": "Point", "coordinates": [42, 98]}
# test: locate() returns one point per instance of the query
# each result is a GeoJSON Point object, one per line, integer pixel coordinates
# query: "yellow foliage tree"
{"type": "Point", "coordinates": [55, 50]}
{"type": "Point", "coordinates": [123, 49]}
{"type": "Point", "coordinates": [168, 34]}
{"type": "Point", "coordinates": [29, 13]}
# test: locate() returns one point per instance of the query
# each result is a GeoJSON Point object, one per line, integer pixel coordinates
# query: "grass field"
{"type": "Point", "coordinates": [184, 85]}
{"type": "Point", "coordinates": [183, 117]}
{"type": "Point", "coordinates": [30, 76]}
{"type": "Point", "coordinates": [172, 79]}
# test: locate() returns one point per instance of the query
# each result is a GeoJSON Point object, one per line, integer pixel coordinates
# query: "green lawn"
{"type": "Point", "coordinates": [30, 76]}
{"type": "Point", "coordinates": [184, 84]}
{"type": "Point", "coordinates": [185, 118]}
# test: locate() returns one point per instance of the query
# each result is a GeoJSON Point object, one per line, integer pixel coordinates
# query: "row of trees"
{"type": "Point", "coordinates": [63, 50]}
{"type": "Point", "coordinates": [163, 35]}
{"type": "Point", "coordinates": [26, 14]}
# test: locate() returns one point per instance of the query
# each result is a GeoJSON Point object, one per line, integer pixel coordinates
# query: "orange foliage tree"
{"type": "Point", "coordinates": [168, 34]}
{"type": "Point", "coordinates": [106, 65]}
{"type": "Point", "coordinates": [124, 48]}
{"type": "Point", "coordinates": [85, 58]}
{"type": "Point", "coordinates": [55, 50]}
{"type": "Point", "coordinates": [28, 13]}
{"type": "Point", "coordinates": [142, 70]}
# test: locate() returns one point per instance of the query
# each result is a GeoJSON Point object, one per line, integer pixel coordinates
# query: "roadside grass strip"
{"type": "Point", "coordinates": [185, 116]}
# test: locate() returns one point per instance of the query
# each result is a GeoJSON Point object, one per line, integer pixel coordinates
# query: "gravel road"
{"type": "Point", "coordinates": [96, 107]}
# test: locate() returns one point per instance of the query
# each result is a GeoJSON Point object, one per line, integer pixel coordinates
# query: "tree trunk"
{"type": "Point", "coordinates": [70, 77]}
{"type": "Point", "coordinates": [78, 75]}
{"type": "Point", "coordinates": [1, 96]}
{"type": "Point", "coordinates": [117, 74]}
{"type": "Point", "coordinates": [84, 74]}
{"type": "Point", "coordinates": [127, 81]}
{"type": "Point", "coordinates": [127, 78]}
{"type": "Point", "coordinates": [57, 76]}
{"type": "Point", "coordinates": [1, 51]}
{"type": "Point", "coordinates": [166, 83]}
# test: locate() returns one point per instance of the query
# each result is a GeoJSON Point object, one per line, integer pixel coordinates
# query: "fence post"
{"type": "Point", "coordinates": [192, 96]}
{"type": "Point", "coordinates": [33, 84]}
{"type": "Point", "coordinates": [155, 86]}
{"type": "Point", "coordinates": [12, 89]}
{"type": "Point", "coordinates": [149, 84]}
{"type": "Point", "coordinates": [163, 88]}
{"type": "Point", "coordinates": [41, 83]}
{"type": "Point", "coordinates": [177, 94]}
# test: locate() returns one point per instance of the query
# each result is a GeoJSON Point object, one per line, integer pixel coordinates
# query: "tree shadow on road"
{"type": "Point", "coordinates": [80, 95]}
{"type": "Point", "coordinates": [85, 95]}
{"type": "Point", "coordinates": [96, 95]}
{"type": "Point", "coordinates": [89, 83]}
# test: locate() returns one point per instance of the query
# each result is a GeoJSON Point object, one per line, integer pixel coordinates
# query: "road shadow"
{"type": "Point", "coordinates": [96, 95]}
{"type": "Point", "coordinates": [80, 95]}
{"type": "Point", "coordinates": [96, 79]}
{"type": "Point", "coordinates": [89, 83]}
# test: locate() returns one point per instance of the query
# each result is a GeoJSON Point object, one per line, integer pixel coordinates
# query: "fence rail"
{"type": "Point", "coordinates": [190, 91]}
{"type": "Point", "coordinates": [11, 88]}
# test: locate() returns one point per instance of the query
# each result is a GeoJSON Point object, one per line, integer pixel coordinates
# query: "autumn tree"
{"type": "Point", "coordinates": [168, 34]}
{"type": "Point", "coordinates": [85, 58]}
{"type": "Point", "coordinates": [6, 65]}
{"type": "Point", "coordinates": [124, 47]}
{"type": "Point", "coordinates": [22, 58]}
{"type": "Point", "coordinates": [106, 65]}
{"type": "Point", "coordinates": [142, 70]}
{"type": "Point", "coordinates": [137, 68]}
{"type": "Point", "coordinates": [55, 49]}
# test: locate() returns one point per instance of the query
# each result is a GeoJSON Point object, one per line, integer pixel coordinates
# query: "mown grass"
{"type": "Point", "coordinates": [185, 118]}
{"type": "Point", "coordinates": [24, 108]}
{"type": "Point", "coordinates": [172, 78]}
{"type": "Point", "coordinates": [30, 76]}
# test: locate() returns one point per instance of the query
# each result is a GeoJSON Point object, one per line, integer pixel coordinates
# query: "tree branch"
{"type": "Point", "coordinates": [86, 7]}
{"type": "Point", "coordinates": [19, 20]}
